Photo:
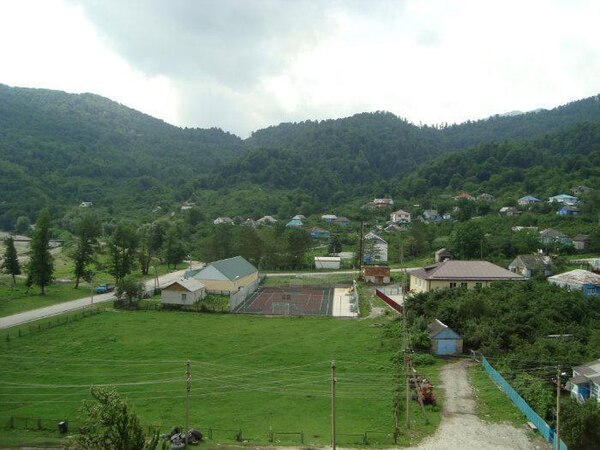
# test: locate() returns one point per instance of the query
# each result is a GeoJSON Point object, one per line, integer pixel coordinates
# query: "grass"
{"type": "Point", "coordinates": [249, 373]}
{"type": "Point", "coordinates": [493, 405]}
{"type": "Point", "coordinates": [310, 279]}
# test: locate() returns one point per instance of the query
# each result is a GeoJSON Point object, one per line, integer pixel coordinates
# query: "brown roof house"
{"type": "Point", "coordinates": [451, 273]}
{"type": "Point", "coordinates": [581, 242]}
{"type": "Point", "coordinates": [376, 274]}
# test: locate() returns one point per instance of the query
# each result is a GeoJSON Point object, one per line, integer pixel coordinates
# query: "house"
{"type": "Point", "coordinates": [585, 383]}
{"type": "Point", "coordinates": [223, 220]}
{"type": "Point", "coordinates": [400, 216]}
{"type": "Point", "coordinates": [85, 204]}
{"type": "Point", "coordinates": [564, 199]}
{"type": "Point", "coordinates": [187, 205]}
{"type": "Point", "coordinates": [531, 265]}
{"type": "Point", "coordinates": [342, 221]}
{"type": "Point", "coordinates": [294, 223]}
{"type": "Point", "coordinates": [521, 228]}
{"type": "Point", "coordinates": [568, 210]}
{"type": "Point", "coordinates": [577, 190]}
{"type": "Point", "coordinates": [486, 198]}
{"type": "Point", "coordinates": [394, 227]}
{"type": "Point", "coordinates": [464, 196]}
{"type": "Point", "coordinates": [249, 222]}
{"type": "Point", "coordinates": [581, 242]}
{"type": "Point", "coordinates": [578, 280]}
{"type": "Point", "coordinates": [383, 202]}
{"type": "Point", "coordinates": [375, 249]}
{"type": "Point", "coordinates": [527, 200]}
{"type": "Point", "coordinates": [509, 211]}
{"type": "Point", "coordinates": [299, 217]}
{"type": "Point", "coordinates": [327, 262]}
{"type": "Point", "coordinates": [183, 292]}
{"type": "Point", "coordinates": [443, 255]}
{"type": "Point", "coordinates": [551, 236]}
{"type": "Point", "coordinates": [318, 233]}
{"type": "Point", "coordinates": [444, 340]}
{"type": "Point", "coordinates": [376, 274]}
{"type": "Point", "coordinates": [266, 220]}
{"type": "Point", "coordinates": [329, 218]}
{"type": "Point", "coordinates": [451, 273]}
{"type": "Point", "coordinates": [446, 216]}
{"type": "Point", "coordinates": [431, 215]}
{"type": "Point", "coordinates": [227, 275]}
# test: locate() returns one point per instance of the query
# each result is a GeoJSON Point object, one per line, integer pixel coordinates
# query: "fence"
{"type": "Point", "coordinates": [239, 297]}
{"type": "Point", "coordinates": [54, 321]}
{"type": "Point", "coordinates": [388, 300]}
{"type": "Point", "coordinates": [544, 429]}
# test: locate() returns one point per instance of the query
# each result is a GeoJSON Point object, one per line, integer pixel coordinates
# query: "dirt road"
{"type": "Point", "coordinates": [461, 429]}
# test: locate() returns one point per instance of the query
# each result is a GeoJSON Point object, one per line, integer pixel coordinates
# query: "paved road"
{"type": "Point", "coordinates": [59, 308]}
{"type": "Point", "coordinates": [324, 274]}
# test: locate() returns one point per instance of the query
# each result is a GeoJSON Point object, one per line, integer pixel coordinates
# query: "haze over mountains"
{"type": "Point", "coordinates": [59, 149]}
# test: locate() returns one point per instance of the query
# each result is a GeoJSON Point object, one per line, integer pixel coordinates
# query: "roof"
{"type": "Point", "coordinates": [437, 327]}
{"type": "Point", "coordinates": [591, 369]}
{"type": "Point", "coordinates": [534, 261]}
{"type": "Point", "coordinates": [564, 196]}
{"type": "Point", "coordinates": [581, 237]}
{"type": "Point", "coordinates": [577, 276]}
{"type": "Point", "coordinates": [328, 258]}
{"type": "Point", "coordinates": [190, 284]}
{"type": "Point", "coordinates": [401, 211]}
{"type": "Point", "coordinates": [329, 216]}
{"type": "Point", "coordinates": [372, 236]}
{"type": "Point", "coordinates": [466, 270]}
{"type": "Point", "coordinates": [376, 271]}
{"type": "Point", "coordinates": [232, 268]}
{"type": "Point", "coordinates": [294, 223]}
{"type": "Point", "coordinates": [550, 232]}
{"type": "Point", "coordinates": [530, 198]}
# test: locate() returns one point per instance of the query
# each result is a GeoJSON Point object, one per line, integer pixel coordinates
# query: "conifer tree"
{"type": "Point", "coordinates": [41, 266]}
{"type": "Point", "coordinates": [11, 263]}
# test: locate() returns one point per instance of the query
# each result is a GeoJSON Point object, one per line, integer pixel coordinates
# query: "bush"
{"type": "Point", "coordinates": [423, 359]}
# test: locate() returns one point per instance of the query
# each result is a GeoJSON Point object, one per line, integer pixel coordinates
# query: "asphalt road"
{"type": "Point", "coordinates": [59, 308]}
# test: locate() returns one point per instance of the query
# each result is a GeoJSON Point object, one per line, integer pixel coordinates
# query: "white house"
{"type": "Point", "coordinates": [329, 218]}
{"type": "Point", "coordinates": [183, 292]}
{"type": "Point", "coordinates": [400, 216]}
{"type": "Point", "coordinates": [585, 383]}
{"type": "Point", "coordinates": [375, 249]}
{"type": "Point", "coordinates": [223, 220]}
{"type": "Point", "coordinates": [327, 262]}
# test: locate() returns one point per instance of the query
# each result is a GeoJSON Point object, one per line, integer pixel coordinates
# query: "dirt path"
{"type": "Point", "coordinates": [462, 429]}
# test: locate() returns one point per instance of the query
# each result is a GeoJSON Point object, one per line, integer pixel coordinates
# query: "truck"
{"type": "Point", "coordinates": [104, 288]}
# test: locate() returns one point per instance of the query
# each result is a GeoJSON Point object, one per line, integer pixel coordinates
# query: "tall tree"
{"type": "Point", "coordinates": [11, 262]}
{"type": "Point", "coordinates": [87, 231]}
{"type": "Point", "coordinates": [122, 250]}
{"type": "Point", "coordinates": [41, 265]}
{"type": "Point", "coordinates": [298, 243]}
{"type": "Point", "coordinates": [468, 240]}
{"type": "Point", "coordinates": [249, 245]}
{"type": "Point", "coordinates": [174, 250]}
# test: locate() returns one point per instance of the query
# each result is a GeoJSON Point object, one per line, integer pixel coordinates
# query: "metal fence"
{"type": "Point", "coordinates": [239, 297]}
{"type": "Point", "coordinates": [544, 429]}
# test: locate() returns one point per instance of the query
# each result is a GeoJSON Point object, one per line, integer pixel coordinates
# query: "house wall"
{"type": "Point", "coordinates": [227, 285]}
{"type": "Point", "coordinates": [327, 264]}
{"type": "Point", "coordinates": [446, 346]}
{"type": "Point", "coordinates": [173, 296]}
{"type": "Point", "coordinates": [418, 285]}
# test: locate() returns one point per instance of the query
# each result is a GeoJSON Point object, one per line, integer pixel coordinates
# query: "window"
{"type": "Point", "coordinates": [452, 285]}
{"type": "Point", "coordinates": [478, 285]}
{"type": "Point", "coordinates": [463, 285]}
{"type": "Point", "coordinates": [183, 297]}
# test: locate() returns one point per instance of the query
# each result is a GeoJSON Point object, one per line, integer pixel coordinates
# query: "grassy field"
{"type": "Point", "coordinates": [249, 374]}
{"type": "Point", "coordinates": [493, 405]}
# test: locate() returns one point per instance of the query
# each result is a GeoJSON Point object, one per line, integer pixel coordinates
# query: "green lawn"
{"type": "Point", "coordinates": [493, 405]}
{"type": "Point", "coordinates": [249, 373]}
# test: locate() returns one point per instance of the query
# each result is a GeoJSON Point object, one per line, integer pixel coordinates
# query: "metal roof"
{"type": "Point", "coordinates": [233, 268]}
{"type": "Point", "coordinates": [190, 284]}
{"type": "Point", "coordinates": [466, 270]}
{"type": "Point", "coordinates": [577, 276]}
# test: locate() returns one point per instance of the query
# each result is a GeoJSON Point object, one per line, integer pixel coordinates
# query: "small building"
{"type": "Point", "coordinates": [223, 220]}
{"type": "Point", "coordinates": [568, 210]}
{"type": "Point", "coordinates": [509, 211]}
{"type": "Point", "coordinates": [85, 204]}
{"type": "Point", "coordinates": [294, 223]}
{"type": "Point", "coordinates": [465, 274]}
{"type": "Point", "coordinates": [376, 274]}
{"type": "Point", "coordinates": [486, 198]}
{"type": "Point", "coordinates": [329, 218]}
{"type": "Point", "coordinates": [551, 236]}
{"type": "Point", "coordinates": [266, 220]}
{"type": "Point", "coordinates": [581, 242]}
{"type": "Point", "coordinates": [585, 383]}
{"type": "Point", "coordinates": [328, 262]}
{"type": "Point", "coordinates": [383, 202]}
{"type": "Point", "coordinates": [578, 190]}
{"type": "Point", "coordinates": [431, 215]}
{"type": "Point", "coordinates": [444, 340]}
{"type": "Point", "coordinates": [464, 196]}
{"type": "Point", "coordinates": [564, 199]}
{"type": "Point", "coordinates": [227, 275]}
{"type": "Point", "coordinates": [400, 216]}
{"type": "Point", "coordinates": [249, 222]}
{"type": "Point", "coordinates": [185, 292]}
{"type": "Point", "coordinates": [531, 265]}
{"type": "Point", "coordinates": [187, 206]}
{"type": "Point", "coordinates": [394, 227]}
{"type": "Point", "coordinates": [578, 280]}
{"type": "Point", "coordinates": [299, 217]}
{"type": "Point", "coordinates": [375, 249]}
{"type": "Point", "coordinates": [342, 221]}
{"type": "Point", "coordinates": [443, 255]}
{"type": "Point", "coordinates": [518, 228]}
{"type": "Point", "coordinates": [528, 200]}
{"type": "Point", "coordinates": [319, 233]}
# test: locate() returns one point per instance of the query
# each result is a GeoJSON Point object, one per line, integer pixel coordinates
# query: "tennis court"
{"type": "Point", "coordinates": [289, 301]}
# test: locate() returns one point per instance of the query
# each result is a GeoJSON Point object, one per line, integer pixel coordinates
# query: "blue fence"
{"type": "Point", "coordinates": [544, 429]}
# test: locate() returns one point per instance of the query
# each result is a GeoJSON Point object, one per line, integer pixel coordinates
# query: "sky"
{"type": "Point", "coordinates": [243, 65]}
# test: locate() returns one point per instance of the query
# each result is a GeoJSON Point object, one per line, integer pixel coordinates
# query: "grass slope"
{"type": "Point", "coordinates": [249, 373]}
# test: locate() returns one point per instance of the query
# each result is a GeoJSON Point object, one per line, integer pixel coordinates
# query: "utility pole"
{"type": "Point", "coordinates": [361, 248]}
{"type": "Point", "coordinates": [406, 366]}
{"type": "Point", "coordinates": [333, 382]}
{"type": "Point", "coordinates": [557, 435]}
{"type": "Point", "coordinates": [188, 386]}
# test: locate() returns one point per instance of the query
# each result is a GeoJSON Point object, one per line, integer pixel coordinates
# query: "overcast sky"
{"type": "Point", "coordinates": [242, 65]}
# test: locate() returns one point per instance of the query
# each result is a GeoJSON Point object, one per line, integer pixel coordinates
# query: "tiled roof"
{"type": "Point", "coordinates": [466, 270]}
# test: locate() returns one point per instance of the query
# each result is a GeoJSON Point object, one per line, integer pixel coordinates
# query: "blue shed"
{"type": "Point", "coordinates": [444, 340]}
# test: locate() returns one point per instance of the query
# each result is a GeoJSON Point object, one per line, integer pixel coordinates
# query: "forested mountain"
{"type": "Point", "coordinates": [59, 149]}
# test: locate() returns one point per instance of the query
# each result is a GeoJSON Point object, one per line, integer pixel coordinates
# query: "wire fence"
{"type": "Point", "coordinates": [52, 322]}
{"type": "Point", "coordinates": [215, 434]}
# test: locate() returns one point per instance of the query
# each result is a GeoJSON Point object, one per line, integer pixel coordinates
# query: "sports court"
{"type": "Point", "coordinates": [292, 301]}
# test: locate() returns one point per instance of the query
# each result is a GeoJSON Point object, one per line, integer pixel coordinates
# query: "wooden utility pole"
{"type": "Point", "coordinates": [188, 386]}
{"type": "Point", "coordinates": [333, 382]}
{"type": "Point", "coordinates": [406, 366]}
{"type": "Point", "coordinates": [557, 436]}
{"type": "Point", "coordinates": [361, 249]}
